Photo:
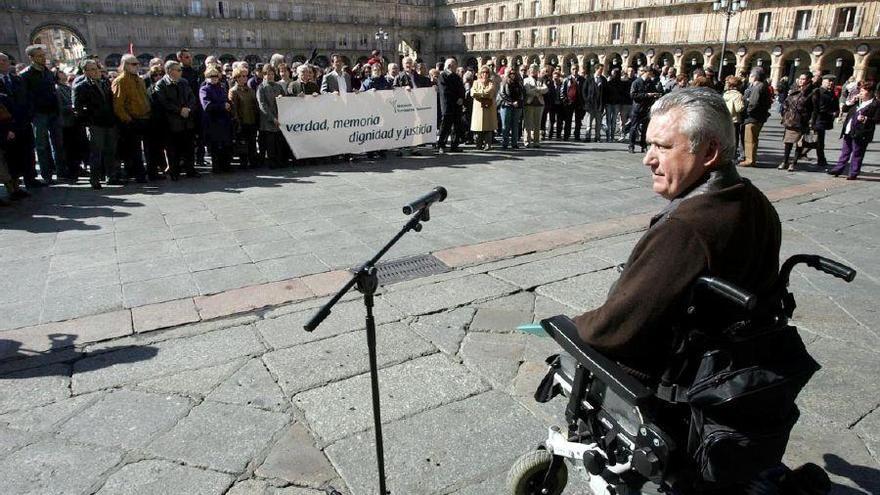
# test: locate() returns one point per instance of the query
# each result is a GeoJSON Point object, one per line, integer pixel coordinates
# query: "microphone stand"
{"type": "Point", "coordinates": [367, 281]}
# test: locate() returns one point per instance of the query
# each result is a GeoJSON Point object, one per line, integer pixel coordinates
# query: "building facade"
{"type": "Point", "coordinates": [784, 36]}
{"type": "Point", "coordinates": [230, 29]}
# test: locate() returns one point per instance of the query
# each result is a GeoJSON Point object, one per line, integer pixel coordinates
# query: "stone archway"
{"type": "Point", "coordinates": [759, 59]}
{"type": "Point", "coordinates": [637, 59]}
{"type": "Point", "coordinates": [613, 60]}
{"type": "Point", "coordinates": [567, 61]}
{"type": "Point", "coordinates": [691, 62]}
{"type": "Point", "coordinates": [794, 62]}
{"type": "Point", "coordinates": [252, 60]}
{"type": "Point", "coordinates": [471, 63]}
{"type": "Point", "coordinates": [113, 61]}
{"type": "Point", "coordinates": [591, 60]}
{"type": "Point", "coordinates": [552, 60]}
{"type": "Point", "coordinates": [171, 56]}
{"type": "Point", "coordinates": [839, 63]}
{"type": "Point", "coordinates": [64, 44]}
{"type": "Point", "coordinates": [664, 59]}
{"type": "Point", "coordinates": [228, 58]}
{"type": "Point", "coordinates": [872, 67]}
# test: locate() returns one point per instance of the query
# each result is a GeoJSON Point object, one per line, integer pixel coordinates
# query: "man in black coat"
{"type": "Point", "coordinates": [571, 100]}
{"type": "Point", "coordinates": [174, 101]}
{"type": "Point", "coordinates": [20, 148]}
{"type": "Point", "coordinates": [194, 79]}
{"type": "Point", "coordinates": [93, 108]}
{"type": "Point", "coordinates": [825, 110]}
{"type": "Point", "coordinates": [40, 84]}
{"type": "Point", "coordinates": [595, 99]}
{"type": "Point", "coordinates": [450, 89]}
{"type": "Point", "coordinates": [645, 92]}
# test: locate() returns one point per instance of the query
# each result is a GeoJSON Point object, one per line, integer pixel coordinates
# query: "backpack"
{"type": "Point", "coordinates": [739, 385]}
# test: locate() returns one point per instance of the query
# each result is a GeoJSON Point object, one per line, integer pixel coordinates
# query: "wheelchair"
{"type": "Point", "coordinates": [688, 432]}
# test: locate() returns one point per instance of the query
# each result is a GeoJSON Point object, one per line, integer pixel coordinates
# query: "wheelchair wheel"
{"type": "Point", "coordinates": [527, 475]}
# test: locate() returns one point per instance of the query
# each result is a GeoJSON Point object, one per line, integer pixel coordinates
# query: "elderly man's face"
{"type": "Point", "coordinates": [673, 167]}
{"type": "Point", "coordinates": [185, 58]}
{"type": "Point", "coordinates": [174, 73]}
{"type": "Point", "coordinates": [92, 71]}
{"type": "Point", "coordinates": [39, 57]}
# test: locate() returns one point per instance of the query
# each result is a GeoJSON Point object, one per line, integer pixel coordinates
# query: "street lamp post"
{"type": "Point", "coordinates": [381, 38]}
{"type": "Point", "coordinates": [839, 64]}
{"type": "Point", "coordinates": [727, 8]}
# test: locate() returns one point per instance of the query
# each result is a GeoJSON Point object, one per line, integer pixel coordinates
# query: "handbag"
{"type": "Point", "coordinates": [808, 140]}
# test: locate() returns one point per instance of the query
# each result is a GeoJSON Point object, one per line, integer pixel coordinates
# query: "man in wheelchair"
{"type": "Point", "coordinates": [684, 381]}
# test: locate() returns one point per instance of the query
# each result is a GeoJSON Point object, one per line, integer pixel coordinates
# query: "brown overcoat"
{"type": "Point", "coordinates": [484, 119]}
{"type": "Point", "coordinates": [724, 228]}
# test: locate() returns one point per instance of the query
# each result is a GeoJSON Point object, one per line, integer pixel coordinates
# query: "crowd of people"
{"type": "Point", "coordinates": [115, 125]}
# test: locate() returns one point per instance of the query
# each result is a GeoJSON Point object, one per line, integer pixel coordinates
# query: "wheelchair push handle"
{"type": "Point", "coordinates": [832, 267]}
{"type": "Point", "coordinates": [820, 263]}
{"type": "Point", "coordinates": [728, 291]}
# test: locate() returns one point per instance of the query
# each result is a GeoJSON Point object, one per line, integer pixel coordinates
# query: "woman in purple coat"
{"type": "Point", "coordinates": [217, 121]}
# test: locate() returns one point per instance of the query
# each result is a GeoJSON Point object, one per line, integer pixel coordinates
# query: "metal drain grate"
{"type": "Point", "coordinates": [409, 269]}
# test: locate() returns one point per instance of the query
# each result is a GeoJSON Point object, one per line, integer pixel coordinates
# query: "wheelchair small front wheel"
{"type": "Point", "coordinates": [530, 475]}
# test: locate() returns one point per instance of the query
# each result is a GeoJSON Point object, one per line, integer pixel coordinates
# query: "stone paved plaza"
{"type": "Point", "coordinates": [246, 402]}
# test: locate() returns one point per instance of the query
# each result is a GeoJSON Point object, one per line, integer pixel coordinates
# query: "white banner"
{"type": "Point", "coordinates": [331, 124]}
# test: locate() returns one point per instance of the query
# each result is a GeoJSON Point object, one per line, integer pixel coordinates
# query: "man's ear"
{"type": "Point", "coordinates": [712, 154]}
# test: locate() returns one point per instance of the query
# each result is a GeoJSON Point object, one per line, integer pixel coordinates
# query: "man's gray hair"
{"type": "Point", "coordinates": [171, 64]}
{"type": "Point", "coordinates": [32, 49]}
{"type": "Point", "coordinates": [4, 56]}
{"type": "Point", "coordinates": [759, 74]}
{"type": "Point", "coordinates": [448, 62]}
{"type": "Point", "coordinates": [704, 118]}
{"type": "Point", "coordinates": [276, 59]}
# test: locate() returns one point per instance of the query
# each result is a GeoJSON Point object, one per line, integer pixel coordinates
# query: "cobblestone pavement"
{"type": "Point", "coordinates": [252, 404]}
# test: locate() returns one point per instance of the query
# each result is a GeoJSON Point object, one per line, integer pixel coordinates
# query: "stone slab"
{"type": "Point", "coordinates": [125, 419]}
{"type": "Point", "coordinates": [164, 315]}
{"type": "Point", "coordinates": [194, 383]}
{"type": "Point", "coordinates": [318, 363]}
{"type": "Point", "coordinates": [444, 330]}
{"type": "Point", "coordinates": [434, 451]}
{"type": "Point", "coordinates": [251, 385]}
{"type": "Point", "coordinates": [495, 357]}
{"type": "Point", "coordinates": [54, 467]}
{"type": "Point", "coordinates": [35, 387]}
{"type": "Point", "coordinates": [158, 290]}
{"type": "Point", "coordinates": [584, 292]}
{"type": "Point", "coordinates": [296, 459]}
{"type": "Point", "coordinates": [136, 364]}
{"type": "Point", "coordinates": [446, 294]}
{"type": "Point", "coordinates": [12, 440]}
{"type": "Point", "coordinates": [250, 298]}
{"type": "Point", "coordinates": [287, 330]}
{"type": "Point", "coordinates": [223, 437]}
{"type": "Point", "coordinates": [343, 408]}
{"type": "Point", "coordinates": [499, 320]}
{"type": "Point", "coordinates": [845, 389]}
{"type": "Point", "coordinates": [228, 277]}
{"type": "Point", "coordinates": [48, 417]}
{"type": "Point", "coordinates": [150, 477]}
{"type": "Point", "coordinates": [552, 269]}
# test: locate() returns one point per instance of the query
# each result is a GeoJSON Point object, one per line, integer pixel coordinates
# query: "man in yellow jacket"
{"type": "Point", "coordinates": [131, 104]}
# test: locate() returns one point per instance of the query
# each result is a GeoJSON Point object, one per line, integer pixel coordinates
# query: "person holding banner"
{"type": "Point", "coordinates": [304, 84]}
{"type": "Point", "coordinates": [450, 88]}
{"type": "Point", "coordinates": [377, 80]}
{"type": "Point", "coordinates": [484, 119]}
{"type": "Point", "coordinates": [267, 93]}
{"type": "Point", "coordinates": [337, 81]}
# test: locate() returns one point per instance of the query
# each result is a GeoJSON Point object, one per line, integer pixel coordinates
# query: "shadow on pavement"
{"type": "Point", "coordinates": [865, 477]}
{"type": "Point", "coordinates": [11, 352]}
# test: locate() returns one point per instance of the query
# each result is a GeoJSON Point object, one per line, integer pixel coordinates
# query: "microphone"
{"type": "Point", "coordinates": [436, 194]}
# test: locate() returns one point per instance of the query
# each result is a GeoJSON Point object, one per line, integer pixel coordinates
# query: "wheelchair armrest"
{"type": "Point", "coordinates": [564, 332]}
